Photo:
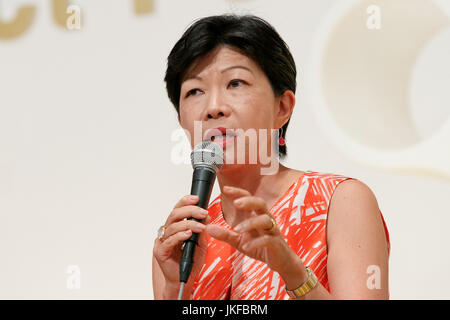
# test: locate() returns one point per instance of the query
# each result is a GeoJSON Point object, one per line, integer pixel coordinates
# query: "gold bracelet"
{"type": "Point", "coordinates": [306, 287]}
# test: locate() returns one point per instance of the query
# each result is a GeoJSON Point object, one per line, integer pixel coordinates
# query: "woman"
{"type": "Point", "coordinates": [289, 234]}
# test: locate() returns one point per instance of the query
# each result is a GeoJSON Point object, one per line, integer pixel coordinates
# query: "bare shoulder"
{"type": "Point", "coordinates": [356, 240]}
{"type": "Point", "coordinates": [353, 189]}
{"type": "Point", "coordinates": [353, 205]}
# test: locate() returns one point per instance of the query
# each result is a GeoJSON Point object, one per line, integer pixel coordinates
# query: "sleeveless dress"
{"type": "Point", "coordinates": [301, 216]}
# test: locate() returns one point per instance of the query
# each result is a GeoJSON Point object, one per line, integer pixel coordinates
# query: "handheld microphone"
{"type": "Point", "coordinates": [206, 159]}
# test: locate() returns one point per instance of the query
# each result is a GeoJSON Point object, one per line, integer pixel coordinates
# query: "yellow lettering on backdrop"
{"type": "Point", "coordinates": [19, 25]}
{"type": "Point", "coordinates": [60, 14]}
{"type": "Point", "coordinates": [25, 16]}
{"type": "Point", "coordinates": [143, 6]}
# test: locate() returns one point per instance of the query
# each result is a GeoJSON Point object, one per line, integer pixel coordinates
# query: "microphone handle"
{"type": "Point", "coordinates": [203, 180]}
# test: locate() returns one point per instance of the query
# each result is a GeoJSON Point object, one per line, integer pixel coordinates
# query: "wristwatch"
{"type": "Point", "coordinates": [306, 287]}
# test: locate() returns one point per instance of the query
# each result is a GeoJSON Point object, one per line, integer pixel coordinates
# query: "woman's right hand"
{"type": "Point", "coordinates": [167, 251]}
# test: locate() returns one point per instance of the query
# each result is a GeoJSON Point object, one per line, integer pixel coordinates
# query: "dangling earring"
{"type": "Point", "coordinates": [281, 141]}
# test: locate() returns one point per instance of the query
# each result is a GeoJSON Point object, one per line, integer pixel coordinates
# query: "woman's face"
{"type": "Point", "coordinates": [227, 89]}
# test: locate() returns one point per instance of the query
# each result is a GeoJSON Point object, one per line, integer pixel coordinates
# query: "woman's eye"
{"type": "Point", "coordinates": [236, 82]}
{"type": "Point", "coordinates": [192, 92]}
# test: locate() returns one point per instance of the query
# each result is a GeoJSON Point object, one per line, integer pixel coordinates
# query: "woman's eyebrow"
{"type": "Point", "coordinates": [234, 67]}
{"type": "Point", "coordinates": [189, 77]}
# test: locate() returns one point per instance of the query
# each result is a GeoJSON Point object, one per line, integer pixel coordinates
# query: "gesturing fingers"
{"type": "Point", "coordinates": [235, 192]}
{"type": "Point", "coordinates": [251, 204]}
{"type": "Point", "coordinates": [243, 200]}
{"type": "Point", "coordinates": [260, 242]}
{"type": "Point", "coordinates": [263, 223]}
{"type": "Point", "coordinates": [223, 234]}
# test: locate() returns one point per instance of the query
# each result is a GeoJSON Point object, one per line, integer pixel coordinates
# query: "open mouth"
{"type": "Point", "coordinates": [221, 137]}
{"type": "Point", "coordinates": [223, 140]}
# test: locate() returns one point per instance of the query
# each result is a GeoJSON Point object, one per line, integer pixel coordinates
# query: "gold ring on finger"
{"type": "Point", "coordinates": [274, 224]}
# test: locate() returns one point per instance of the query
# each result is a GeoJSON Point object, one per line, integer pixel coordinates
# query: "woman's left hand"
{"type": "Point", "coordinates": [255, 236]}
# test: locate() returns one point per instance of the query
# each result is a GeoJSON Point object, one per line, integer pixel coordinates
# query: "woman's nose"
{"type": "Point", "coordinates": [214, 113]}
{"type": "Point", "coordinates": [217, 106]}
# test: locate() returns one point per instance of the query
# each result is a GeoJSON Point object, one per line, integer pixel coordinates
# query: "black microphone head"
{"type": "Point", "coordinates": [207, 153]}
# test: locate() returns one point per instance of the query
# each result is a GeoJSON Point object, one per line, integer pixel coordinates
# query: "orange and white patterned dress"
{"type": "Point", "coordinates": [301, 216]}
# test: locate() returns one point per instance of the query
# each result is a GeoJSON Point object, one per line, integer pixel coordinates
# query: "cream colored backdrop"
{"type": "Point", "coordinates": [87, 133]}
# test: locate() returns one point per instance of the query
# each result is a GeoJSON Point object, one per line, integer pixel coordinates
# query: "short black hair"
{"type": "Point", "coordinates": [249, 34]}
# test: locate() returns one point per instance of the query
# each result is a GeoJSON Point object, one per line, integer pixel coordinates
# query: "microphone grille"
{"type": "Point", "coordinates": [207, 153]}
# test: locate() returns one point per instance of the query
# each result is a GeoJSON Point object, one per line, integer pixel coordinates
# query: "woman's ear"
{"type": "Point", "coordinates": [285, 107]}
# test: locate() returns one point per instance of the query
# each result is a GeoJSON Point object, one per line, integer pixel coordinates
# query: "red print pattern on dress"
{"type": "Point", "coordinates": [301, 215]}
